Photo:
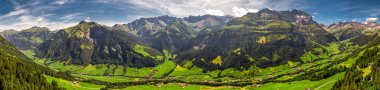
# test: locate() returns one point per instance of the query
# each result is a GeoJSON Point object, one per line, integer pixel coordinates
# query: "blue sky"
{"type": "Point", "coordinates": [58, 14]}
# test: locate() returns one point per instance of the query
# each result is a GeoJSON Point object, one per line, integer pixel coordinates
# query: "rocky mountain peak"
{"type": "Point", "coordinates": [266, 10]}
{"type": "Point", "coordinates": [352, 29]}
{"type": "Point", "coordinates": [85, 26]}
{"type": "Point", "coordinates": [9, 31]}
{"type": "Point", "coordinates": [354, 25]}
{"type": "Point", "coordinates": [296, 16]}
{"type": "Point", "coordinates": [88, 23]}
{"type": "Point", "coordinates": [165, 17]}
{"type": "Point", "coordinates": [120, 27]}
{"type": "Point", "coordinates": [372, 25]}
{"type": "Point", "coordinates": [267, 13]}
{"type": "Point", "coordinates": [36, 29]}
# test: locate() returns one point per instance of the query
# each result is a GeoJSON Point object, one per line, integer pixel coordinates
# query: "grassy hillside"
{"type": "Point", "coordinates": [69, 85]}
{"type": "Point", "coordinates": [324, 84]}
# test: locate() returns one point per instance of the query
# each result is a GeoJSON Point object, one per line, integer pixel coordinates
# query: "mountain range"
{"type": "Point", "coordinates": [213, 42]}
{"type": "Point", "coordinates": [265, 39]}
{"type": "Point", "coordinates": [29, 38]}
{"type": "Point", "coordinates": [347, 30]}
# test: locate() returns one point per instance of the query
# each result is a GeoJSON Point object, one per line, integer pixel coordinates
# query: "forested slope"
{"type": "Point", "coordinates": [365, 73]}
{"type": "Point", "coordinates": [17, 72]}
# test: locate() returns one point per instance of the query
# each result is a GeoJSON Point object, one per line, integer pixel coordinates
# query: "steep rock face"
{"type": "Point", "coordinates": [27, 39]}
{"type": "Point", "coordinates": [148, 26]}
{"type": "Point", "coordinates": [205, 23]}
{"type": "Point", "coordinates": [171, 38]}
{"type": "Point", "coordinates": [91, 43]}
{"type": "Point", "coordinates": [372, 25]}
{"type": "Point", "coordinates": [303, 23]}
{"type": "Point", "coordinates": [120, 27]}
{"type": "Point", "coordinates": [348, 30]}
{"type": "Point", "coordinates": [266, 38]}
{"type": "Point", "coordinates": [170, 33]}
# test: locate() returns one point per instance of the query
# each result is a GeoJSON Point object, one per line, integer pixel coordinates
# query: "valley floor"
{"type": "Point", "coordinates": [324, 84]}
{"type": "Point", "coordinates": [320, 72]}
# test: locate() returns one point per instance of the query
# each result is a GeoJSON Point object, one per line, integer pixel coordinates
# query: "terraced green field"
{"type": "Point", "coordinates": [324, 84]}
{"type": "Point", "coordinates": [173, 86]}
{"type": "Point", "coordinates": [70, 86]}
{"type": "Point", "coordinates": [107, 78]}
{"type": "Point", "coordinates": [29, 53]}
{"type": "Point", "coordinates": [163, 87]}
{"type": "Point", "coordinates": [166, 67]}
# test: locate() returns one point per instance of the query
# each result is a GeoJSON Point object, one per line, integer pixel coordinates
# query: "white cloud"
{"type": "Point", "coordinates": [59, 2]}
{"type": "Point", "coordinates": [70, 16]}
{"type": "Point", "coordinates": [242, 11]}
{"type": "Point", "coordinates": [61, 25]}
{"type": "Point", "coordinates": [373, 12]}
{"type": "Point", "coordinates": [214, 12]}
{"type": "Point", "coordinates": [110, 23]}
{"type": "Point", "coordinates": [87, 19]}
{"type": "Point", "coordinates": [372, 19]}
{"type": "Point", "coordinates": [26, 25]}
{"type": "Point", "coordinates": [15, 13]}
{"type": "Point", "coordinates": [252, 10]}
{"type": "Point", "coordinates": [183, 8]}
{"type": "Point", "coordinates": [239, 11]}
{"type": "Point", "coordinates": [16, 4]}
{"type": "Point", "coordinates": [23, 16]}
{"type": "Point", "coordinates": [28, 21]}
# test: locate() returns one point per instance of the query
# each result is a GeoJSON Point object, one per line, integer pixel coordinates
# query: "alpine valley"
{"type": "Point", "coordinates": [265, 50]}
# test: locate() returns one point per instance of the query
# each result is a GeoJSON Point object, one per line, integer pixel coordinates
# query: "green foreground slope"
{"type": "Point", "coordinates": [364, 74]}
{"type": "Point", "coordinates": [17, 73]}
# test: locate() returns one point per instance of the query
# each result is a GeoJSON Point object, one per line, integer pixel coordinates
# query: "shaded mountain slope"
{"type": "Point", "coordinates": [27, 39]}
{"type": "Point", "coordinates": [266, 38]}
{"type": "Point", "coordinates": [170, 33]}
{"type": "Point", "coordinates": [91, 43]}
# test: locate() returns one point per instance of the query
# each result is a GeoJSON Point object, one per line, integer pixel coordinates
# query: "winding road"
{"type": "Point", "coordinates": [325, 84]}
